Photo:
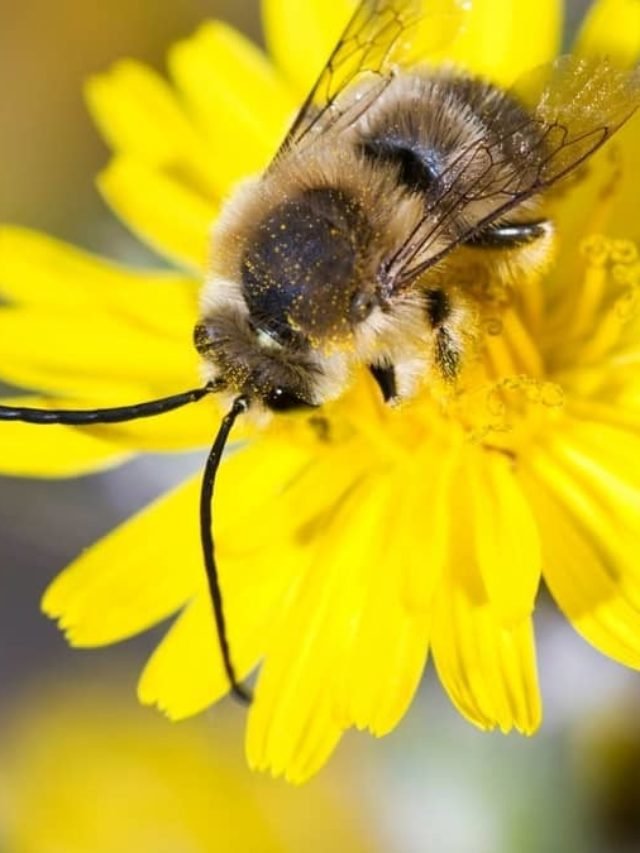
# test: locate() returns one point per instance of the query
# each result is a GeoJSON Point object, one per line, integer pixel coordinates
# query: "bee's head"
{"type": "Point", "coordinates": [248, 361]}
{"type": "Point", "coordinates": [286, 294]}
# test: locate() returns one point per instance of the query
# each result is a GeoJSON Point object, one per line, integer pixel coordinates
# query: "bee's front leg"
{"type": "Point", "coordinates": [385, 376]}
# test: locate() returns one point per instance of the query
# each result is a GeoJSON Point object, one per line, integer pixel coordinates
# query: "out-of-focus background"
{"type": "Point", "coordinates": [83, 769]}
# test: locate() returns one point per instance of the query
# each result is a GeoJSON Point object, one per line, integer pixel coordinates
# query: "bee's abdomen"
{"type": "Point", "coordinates": [448, 131]}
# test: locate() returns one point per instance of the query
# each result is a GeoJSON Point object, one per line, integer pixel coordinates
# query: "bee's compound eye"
{"type": "Point", "coordinates": [282, 400]}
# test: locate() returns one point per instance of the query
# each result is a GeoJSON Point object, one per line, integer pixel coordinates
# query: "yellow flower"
{"type": "Point", "coordinates": [346, 553]}
{"type": "Point", "coordinates": [86, 771]}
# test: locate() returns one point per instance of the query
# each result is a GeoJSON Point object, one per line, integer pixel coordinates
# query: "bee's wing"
{"type": "Point", "coordinates": [380, 34]}
{"type": "Point", "coordinates": [572, 108]}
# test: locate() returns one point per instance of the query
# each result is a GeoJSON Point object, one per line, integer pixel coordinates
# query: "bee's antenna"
{"type": "Point", "coordinates": [74, 417]}
{"type": "Point", "coordinates": [240, 405]}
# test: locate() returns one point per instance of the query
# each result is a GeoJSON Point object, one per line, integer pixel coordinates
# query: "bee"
{"type": "Point", "coordinates": [346, 253]}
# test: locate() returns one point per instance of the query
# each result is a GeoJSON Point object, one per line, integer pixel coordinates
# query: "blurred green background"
{"type": "Point", "coordinates": [82, 768]}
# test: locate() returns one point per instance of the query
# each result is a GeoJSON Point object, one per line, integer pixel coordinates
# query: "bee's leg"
{"type": "Point", "coordinates": [447, 354]}
{"type": "Point", "coordinates": [385, 376]}
{"type": "Point", "coordinates": [447, 351]}
{"type": "Point", "coordinates": [510, 235]}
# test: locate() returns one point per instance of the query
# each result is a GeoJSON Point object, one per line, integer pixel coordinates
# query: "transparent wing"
{"type": "Point", "coordinates": [380, 35]}
{"type": "Point", "coordinates": [571, 108]}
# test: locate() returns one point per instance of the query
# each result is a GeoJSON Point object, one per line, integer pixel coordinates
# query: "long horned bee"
{"type": "Point", "coordinates": [342, 255]}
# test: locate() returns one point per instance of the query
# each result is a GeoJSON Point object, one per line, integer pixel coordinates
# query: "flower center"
{"type": "Point", "coordinates": [537, 347]}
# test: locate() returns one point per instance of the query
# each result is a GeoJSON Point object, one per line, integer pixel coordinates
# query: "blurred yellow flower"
{"type": "Point", "coordinates": [343, 561]}
{"type": "Point", "coordinates": [85, 771]}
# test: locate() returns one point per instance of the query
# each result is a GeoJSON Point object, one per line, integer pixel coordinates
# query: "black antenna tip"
{"type": "Point", "coordinates": [242, 694]}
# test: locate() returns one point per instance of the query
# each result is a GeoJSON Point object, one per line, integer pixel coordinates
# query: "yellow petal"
{"type": "Point", "coordinates": [236, 97]}
{"type": "Point", "coordinates": [503, 39]}
{"type": "Point", "coordinates": [65, 356]}
{"type": "Point", "coordinates": [140, 116]}
{"type": "Point", "coordinates": [582, 477]}
{"type": "Point", "coordinates": [128, 581]}
{"type": "Point", "coordinates": [185, 674]}
{"type": "Point", "coordinates": [582, 580]}
{"type": "Point", "coordinates": [611, 28]}
{"type": "Point", "coordinates": [383, 664]}
{"type": "Point", "coordinates": [489, 671]}
{"type": "Point", "coordinates": [164, 211]}
{"type": "Point", "coordinates": [486, 663]}
{"type": "Point", "coordinates": [321, 737]}
{"type": "Point", "coordinates": [419, 528]}
{"type": "Point", "coordinates": [314, 632]}
{"type": "Point", "coordinates": [506, 537]}
{"type": "Point", "coordinates": [259, 476]}
{"type": "Point", "coordinates": [29, 450]}
{"type": "Point", "coordinates": [608, 447]}
{"type": "Point", "coordinates": [38, 270]}
{"type": "Point", "coordinates": [600, 492]}
{"type": "Point", "coordinates": [301, 36]}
